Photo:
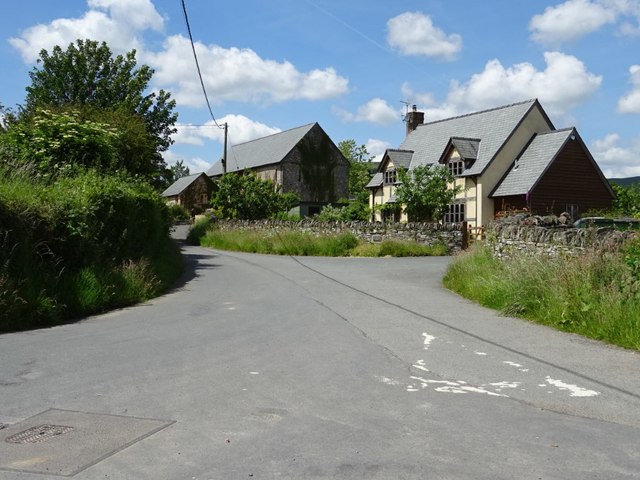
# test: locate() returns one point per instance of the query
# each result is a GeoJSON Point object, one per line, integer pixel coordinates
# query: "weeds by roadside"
{"type": "Point", "coordinates": [596, 294]}
{"type": "Point", "coordinates": [297, 243]}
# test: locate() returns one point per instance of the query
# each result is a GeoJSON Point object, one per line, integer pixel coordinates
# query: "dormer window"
{"type": "Point", "coordinates": [390, 177]}
{"type": "Point", "coordinates": [456, 167]}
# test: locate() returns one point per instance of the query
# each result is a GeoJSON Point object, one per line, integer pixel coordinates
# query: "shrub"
{"type": "Point", "coordinates": [177, 213]}
{"type": "Point", "coordinates": [65, 248]}
{"type": "Point", "coordinates": [197, 231]}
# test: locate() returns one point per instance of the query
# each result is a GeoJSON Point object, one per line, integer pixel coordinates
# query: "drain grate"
{"type": "Point", "coordinates": [38, 434]}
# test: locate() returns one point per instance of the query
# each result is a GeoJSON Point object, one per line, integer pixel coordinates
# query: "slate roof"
{"type": "Point", "coordinates": [376, 181]}
{"type": "Point", "coordinates": [400, 158]}
{"type": "Point", "coordinates": [262, 151]}
{"type": "Point", "coordinates": [493, 127]}
{"type": "Point", "coordinates": [467, 147]}
{"type": "Point", "coordinates": [180, 185]}
{"type": "Point", "coordinates": [536, 157]}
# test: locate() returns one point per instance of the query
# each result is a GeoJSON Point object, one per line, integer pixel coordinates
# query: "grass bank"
{"type": "Point", "coordinates": [79, 246]}
{"type": "Point", "coordinates": [596, 294]}
{"type": "Point", "coordinates": [290, 242]}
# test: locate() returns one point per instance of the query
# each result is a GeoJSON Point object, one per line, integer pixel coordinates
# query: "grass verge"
{"type": "Point", "coordinates": [41, 302]}
{"type": "Point", "coordinates": [302, 244]}
{"type": "Point", "coordinates": [596, 294]}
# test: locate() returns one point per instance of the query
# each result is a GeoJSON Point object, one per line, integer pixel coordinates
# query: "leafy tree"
{"type": "Point", "coordinates": [359, 175]}
{"type": "Point", "coordinates": [6, 117]}
{"type": "Point", "coordinates": [248, 197]}
{"type": "Point", "coordinates": [60, 143]}
{"type": "Point", "coordinates": [179, 170]}
{"type": "Point", "coordinates": [425, 192]}
{"type": "Point", "coordinates": [627, 201]}
{"type": "Point", "coordinates": [88, 78]}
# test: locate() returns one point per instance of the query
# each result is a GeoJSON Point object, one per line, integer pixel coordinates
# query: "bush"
{"type": "Point", "coordinates": [177, 213]}
{"type": "Point", "coordinates": [68, 248]}
{"type": "Point", "coordinates": [197, 231]}
{"type": "Point", "coordinates": [247, 197]}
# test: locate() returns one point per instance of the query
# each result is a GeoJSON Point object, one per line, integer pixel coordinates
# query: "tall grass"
{"type": "Point", "coordinates": [78, 246]}
{"type": "Point", "coordinates": [289, 242]}
{"type": "Point", "coordinates": [596, 294]}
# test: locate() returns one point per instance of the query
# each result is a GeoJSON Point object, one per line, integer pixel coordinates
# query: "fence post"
{"type": "Point", "coordinates": [465, 235]}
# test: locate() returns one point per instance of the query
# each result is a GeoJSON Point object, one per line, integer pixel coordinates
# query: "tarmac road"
{"type": "Point", "coordinates": [275, 367]}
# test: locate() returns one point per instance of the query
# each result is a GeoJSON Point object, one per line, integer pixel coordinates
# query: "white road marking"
{"type": "Point", "coordinates": [574, 389]}
{"type": "Point", "coordinates": [427, 340]}
{"type": "Point", "coordinates": [388, 381]}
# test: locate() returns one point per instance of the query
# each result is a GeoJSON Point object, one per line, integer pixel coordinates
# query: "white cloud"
{"type": "Point", "coordinates": [377, 148]}
{"type": "Point", "coordinates": [237, 74]}
{"type": "Point", "coordinates": [413, 33]}
{"type": "Point", "coordinates": [561, 86]}
{"type": "Point", "coordinates": [375, 111]}
{"type": "Point", "coordinates": [117, 22]}
{"type": "Point", "coordinates": [574, 19]}
{"type": "Point", "coordinates": [241, 129]}
{"type": "Point", "coordinates": [569, 21]}
{"type": "Point", "coordinates": [195, 164]}
{"type": "Point", "coordinates": [630, 103]}
{"type": "Point", "coordinates": [616, 161]}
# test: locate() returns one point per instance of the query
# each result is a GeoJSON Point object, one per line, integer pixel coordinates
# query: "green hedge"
{"type": "Point", "coordinates": [79, 236]}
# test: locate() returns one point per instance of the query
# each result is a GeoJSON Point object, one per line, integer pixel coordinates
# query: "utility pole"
{"type": "Point", "coordinates": [224, 156]}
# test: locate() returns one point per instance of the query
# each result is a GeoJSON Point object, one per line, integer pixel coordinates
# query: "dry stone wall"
{"type": "Point", "coordinates": [549, 235]}
{"type": "Point", "coordinates": [424, 233]}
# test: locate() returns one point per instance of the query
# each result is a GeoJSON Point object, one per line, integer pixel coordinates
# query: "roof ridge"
{"type": "Point", "coordinates": [531, 100]}
{"type": "Point", "coordinates": [274, 134]}
{"type": "Point", "coordinates": [559, 130]}
{"type": "Point", "coordinates": [466, 138]}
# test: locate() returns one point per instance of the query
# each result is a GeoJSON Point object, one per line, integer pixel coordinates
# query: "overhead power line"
{"type": "Point", "coordinates": [224, 127]}
{"type": "Point", "coordinates": [195, 56]}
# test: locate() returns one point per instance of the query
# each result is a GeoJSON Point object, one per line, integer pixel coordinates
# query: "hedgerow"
{"type": "Point", "coordinates": [78, 237]}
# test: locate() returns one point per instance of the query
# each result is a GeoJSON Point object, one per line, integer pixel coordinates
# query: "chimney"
{"type": "Point", "coordinates": [413, 119]}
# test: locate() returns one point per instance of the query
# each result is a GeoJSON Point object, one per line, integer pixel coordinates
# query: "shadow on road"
{"type": "Point", "coordinates": [194, 263]}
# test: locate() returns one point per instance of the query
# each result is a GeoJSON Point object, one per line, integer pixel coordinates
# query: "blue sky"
{"type": "Point", "coordinates": [272, 65]}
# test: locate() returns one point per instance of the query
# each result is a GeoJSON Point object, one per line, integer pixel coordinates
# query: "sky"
{"type": "Point", "coordinates": [356, 66]}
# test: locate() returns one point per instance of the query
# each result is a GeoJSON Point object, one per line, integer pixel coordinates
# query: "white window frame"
{"type": "Point", "coordinates": [455, 213]}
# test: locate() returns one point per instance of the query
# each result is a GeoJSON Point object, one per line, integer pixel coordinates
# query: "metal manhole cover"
{"type": "Point", "coordinates": [38, 434]}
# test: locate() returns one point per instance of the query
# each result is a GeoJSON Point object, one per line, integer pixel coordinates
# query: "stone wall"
{"type": "Point", "coordinates": [424, 233]}
{"type": "Point", "coordinates": [549, 235]}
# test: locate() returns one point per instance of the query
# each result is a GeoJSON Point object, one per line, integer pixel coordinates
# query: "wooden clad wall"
{"type": "Point", "coordinates": [571, 179]}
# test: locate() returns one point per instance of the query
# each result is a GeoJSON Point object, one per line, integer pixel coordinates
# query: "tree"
{"type": "Point", "coordinates": [425, 192]}
{"type": "Point", "coordinates": [627, 201]}
{"type": "Point", "coordinates": [87, 78]}
{"type": "Point", "coordinates": [248, 197]}
{"type": "Point", "coordinates": [174, 172]}
{"type": "Point", "coordinates": [60, 143]}
{"type": "Point", "coordinates": [359, 175]}
{"type": "Point", "coordinates": [359, 167]}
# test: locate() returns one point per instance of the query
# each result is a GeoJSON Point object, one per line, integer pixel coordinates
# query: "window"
{"type": "Point", "coordinates": [456, 167]}
{"type": "Point", "coordinates": [455, 213]}
{"type": "Point", "coordinates": [573, 211]}
{"type": "Point", "coordinates": [390, 177]}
